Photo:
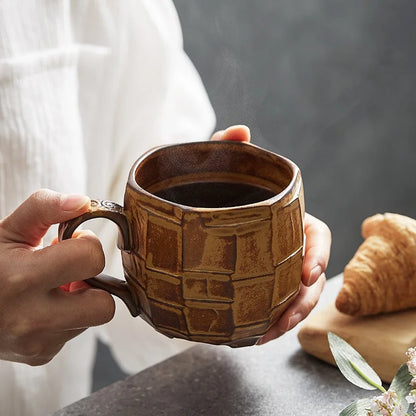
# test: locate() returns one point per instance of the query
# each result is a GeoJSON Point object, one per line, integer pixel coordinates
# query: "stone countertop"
{"type": "Point", "coordinates": [278, 378]}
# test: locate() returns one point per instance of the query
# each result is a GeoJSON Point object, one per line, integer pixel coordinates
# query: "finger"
{"type": "Point", "coordinates": [30, 221]}
{"type": "Point", "coordinates": [297, 311]}
{"type": "Point", "coordinates": [81, 309]}
{"type": "Point", "coordinates": [71, 260]}
{"type": "Point", "coordinates": [238, 133]}
{"type": "Point", "coordinates": [317, 249]}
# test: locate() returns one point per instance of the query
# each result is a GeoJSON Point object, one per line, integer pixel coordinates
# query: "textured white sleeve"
{"type": "Point", "coordinates": [148, 93]}
{"type": "Point", "coordinates": [41, 145]}
{"type": "Point", "coordinates": [40, 129]}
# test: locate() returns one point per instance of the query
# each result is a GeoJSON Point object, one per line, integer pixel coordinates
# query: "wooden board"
{"type": "Point", "coordinates": [382, 339]}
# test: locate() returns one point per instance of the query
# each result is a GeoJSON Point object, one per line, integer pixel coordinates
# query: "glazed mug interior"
{"type": "Point", "coordinates": [201, 167]}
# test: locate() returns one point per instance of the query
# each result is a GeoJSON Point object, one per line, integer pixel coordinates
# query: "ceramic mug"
{"type": "Point", "coordinates": [211, 239]}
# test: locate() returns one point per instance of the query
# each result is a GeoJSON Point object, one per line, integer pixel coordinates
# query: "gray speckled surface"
{"type": "Point", "coordinates": [278, 378]}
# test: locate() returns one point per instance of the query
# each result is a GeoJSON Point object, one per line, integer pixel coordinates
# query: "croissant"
{"type": "Point", "coordinates": [381, 277]}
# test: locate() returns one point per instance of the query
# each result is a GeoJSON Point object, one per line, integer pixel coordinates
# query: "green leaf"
{"type": "Point", "coordinates": [401, 385]}
{"type": "Point", "coordinates": [352, 365]}
{"type": "Point", "coordinates": [357, 408]}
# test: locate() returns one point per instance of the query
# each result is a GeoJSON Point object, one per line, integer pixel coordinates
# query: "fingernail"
{"type": "Point", "coordinates": [238, 132]}
{"type": "Point", "coordinates": [264, 339]}
{"type": "Point", "coordinates": [314, 275]}
{"type": "Point", "coordinates": [271, 334]}
{"type": "Point", "coordinates": [259, 341]}
{"type": "Point", "coordinates": [73, 202]}
{"type": "Point", "coordinates": [293, 321]}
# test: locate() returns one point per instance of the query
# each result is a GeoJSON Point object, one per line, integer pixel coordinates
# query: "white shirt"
{"type": "Point", "coordinates": [87, 86]}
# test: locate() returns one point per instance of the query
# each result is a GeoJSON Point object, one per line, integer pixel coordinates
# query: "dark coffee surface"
{"type": "Point", "coordinates": [215, 194]}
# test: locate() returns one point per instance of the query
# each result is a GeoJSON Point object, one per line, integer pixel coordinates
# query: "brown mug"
{"type": "Point", "coordinates": [211, 239]}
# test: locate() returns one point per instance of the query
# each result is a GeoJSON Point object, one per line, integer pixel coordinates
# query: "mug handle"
{"type": "Point", "coordinates": [115, 213]}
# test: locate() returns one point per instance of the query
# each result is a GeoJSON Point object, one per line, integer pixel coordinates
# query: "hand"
{"type": "Point", "coordinates": [40, 309]}
{"type": "Point", "coordinates": [317, 250]}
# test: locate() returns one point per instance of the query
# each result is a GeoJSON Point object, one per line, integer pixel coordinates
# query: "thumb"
{"type": "Point", "coordinates": [32, 219]}
{"type": "Point", "coordinates": [237, 133]}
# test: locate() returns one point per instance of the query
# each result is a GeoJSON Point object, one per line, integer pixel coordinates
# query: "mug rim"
{"type": "Point", "coordinates": [132, 183]}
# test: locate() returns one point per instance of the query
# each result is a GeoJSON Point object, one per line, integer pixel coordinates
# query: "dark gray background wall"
{"type": "Point", "coordinates": [328, 83]}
